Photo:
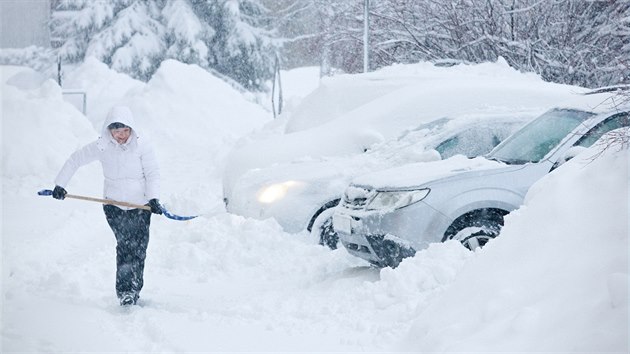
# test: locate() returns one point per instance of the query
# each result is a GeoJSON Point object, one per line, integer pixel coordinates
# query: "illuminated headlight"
{"type": "Point", "coordinates": [396, 199]}
{"type": "Point", "coordinates": [275, 192]}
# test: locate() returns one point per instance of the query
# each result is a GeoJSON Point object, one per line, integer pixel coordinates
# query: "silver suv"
{"type": "Point", "coordinates": [388, 215]}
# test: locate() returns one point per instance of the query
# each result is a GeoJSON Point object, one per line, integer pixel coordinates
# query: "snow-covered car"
{"type": "Point", "coordinates": [355, 124]}
{"type": "Point", "coordinates": [387, 215]}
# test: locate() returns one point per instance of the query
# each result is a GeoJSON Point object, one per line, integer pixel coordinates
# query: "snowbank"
{"type": "Point", "coordinates": [297, 84]}
{"type": "Point", "coordinates": [39, 129]}
{"type": "Point", "coordinates": [556, 280]}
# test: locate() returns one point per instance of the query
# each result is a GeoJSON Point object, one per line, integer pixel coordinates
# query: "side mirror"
{"type": "Point", "coordinates": [568, 155]}
{"type": "Point", "coordinates": [571, 153]}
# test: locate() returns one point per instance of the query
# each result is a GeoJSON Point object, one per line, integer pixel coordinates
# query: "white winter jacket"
{"type": "Point", "coordinates": [131, 170]}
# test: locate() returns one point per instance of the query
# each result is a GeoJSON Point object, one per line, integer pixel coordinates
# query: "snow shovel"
{"type": "Point", "coordinates": [165, 212]}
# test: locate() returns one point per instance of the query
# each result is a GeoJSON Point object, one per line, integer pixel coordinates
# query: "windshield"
{"type": "Point", "coordinates": [538, 138]}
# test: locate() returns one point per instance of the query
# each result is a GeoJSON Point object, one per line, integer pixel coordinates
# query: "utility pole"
{"type": "Point", "coordinates": [366, 36]}
{"type": "Point", "coordinates": [276, 78]}
{"type": "Point", "coordinates": [59, 74]}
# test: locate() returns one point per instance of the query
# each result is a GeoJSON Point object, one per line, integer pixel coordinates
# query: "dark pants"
{"type": "Point", "coordinates": [131, 228]}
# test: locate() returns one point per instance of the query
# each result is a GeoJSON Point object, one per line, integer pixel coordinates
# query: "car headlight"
{"type": "Point", "coordinates": [275, 192]}
{"type": "Point", "coordinates": [396, 199]}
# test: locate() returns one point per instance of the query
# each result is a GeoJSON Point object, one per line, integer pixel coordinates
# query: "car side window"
{"type": "Point", "coordinates": [616, 121]}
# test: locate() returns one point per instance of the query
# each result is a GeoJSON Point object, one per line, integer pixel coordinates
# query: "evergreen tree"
{"type": "Point", "coordinates": [244, 46]}
{"type": "Point", "coordinates": [187, 34]}
{"type": "Point", "coordinates": [233, 37]}
{"type": "Point", "coordinates": [74, 22]}
{"type": "Point", "coordinates": [133, 41]}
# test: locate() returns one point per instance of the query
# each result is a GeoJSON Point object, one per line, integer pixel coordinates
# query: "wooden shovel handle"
{"type": "Point", "coordinates": [108, 201]}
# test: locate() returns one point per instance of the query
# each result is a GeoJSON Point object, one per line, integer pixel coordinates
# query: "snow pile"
{"type": "Point", "coordinates": [226, 283]}
{"type": "Point", "coordinates": [103, 86]}
{"type": "Point", "coordinates": [557, 278]}
{"type": "Point", "coordinates": [367, 99]}
{"type": "Point", "coordinates": [296, 84]}
{"type": "Point", "coordinates": [36, 120]}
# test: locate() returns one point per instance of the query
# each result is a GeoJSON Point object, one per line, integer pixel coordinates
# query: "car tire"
{"type": "Point", "coordinates": [323, 230]}
{"type": "Point", "coordinates": [476, 228]}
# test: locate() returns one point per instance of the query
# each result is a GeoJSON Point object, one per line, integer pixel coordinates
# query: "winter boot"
{"type": "Point", "coordinates": [127, 299]}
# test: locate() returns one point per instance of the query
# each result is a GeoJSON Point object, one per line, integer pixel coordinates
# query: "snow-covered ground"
{"type": "Point", "coordinates": [556, 280]}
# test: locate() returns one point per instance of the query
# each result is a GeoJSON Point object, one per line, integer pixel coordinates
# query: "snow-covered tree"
{"type": "Point", "coordinates": [74, 22]}
{"type": "Point", "coordinates": [187, 35]}
{"type": "Point", "coordinates": [584, 42]}
{"type": "Point", "coordinates": [591, 42]}
{"type": "Point", "coordinates": [324, 32]}
{"type": "Point", "coordinates": [233, 37]}
{"type": "Point", "coordinates": [133, 41]}
{"type": "Point", "coordinates": [245, 44]}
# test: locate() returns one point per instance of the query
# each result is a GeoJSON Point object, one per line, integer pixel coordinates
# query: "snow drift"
{"type": "Point", "coordinates": [557, 278]}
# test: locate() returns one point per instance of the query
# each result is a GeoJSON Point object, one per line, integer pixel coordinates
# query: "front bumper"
{"type": "Point", "coordinates": [358, 245]}
{"type": "Point", "coordinates": [385, 238]}
{"type": "Point", "coordinates": [382, 251]}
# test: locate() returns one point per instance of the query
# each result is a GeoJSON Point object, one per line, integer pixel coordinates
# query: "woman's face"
{"type": "Point", "coordinates": [121, 134]}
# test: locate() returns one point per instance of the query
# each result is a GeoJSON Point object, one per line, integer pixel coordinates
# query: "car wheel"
{"type": "Point", "coordinates": [322, 229]}
{"type": "Point", "coordinates": [476, 228]}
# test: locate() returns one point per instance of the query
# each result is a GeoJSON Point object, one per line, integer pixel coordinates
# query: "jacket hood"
{"type": "Point", "coordinates": [121, 114]}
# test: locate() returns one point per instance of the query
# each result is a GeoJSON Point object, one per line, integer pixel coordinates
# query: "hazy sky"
{"type": "Point", "coordinates": [24, 23]}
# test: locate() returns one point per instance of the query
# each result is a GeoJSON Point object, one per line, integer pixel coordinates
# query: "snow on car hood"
{"type": "Point", "coordinates": [416, 174]}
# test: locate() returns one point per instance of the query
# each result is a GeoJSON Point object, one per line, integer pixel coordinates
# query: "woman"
{"type": "Point", "coordinates": [131, 175]}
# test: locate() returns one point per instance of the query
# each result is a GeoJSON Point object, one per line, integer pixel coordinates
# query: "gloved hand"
{"type": "Point", "coordinates": [59, 193]}
{"type": "Point", "coordinates": [156, 208]}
